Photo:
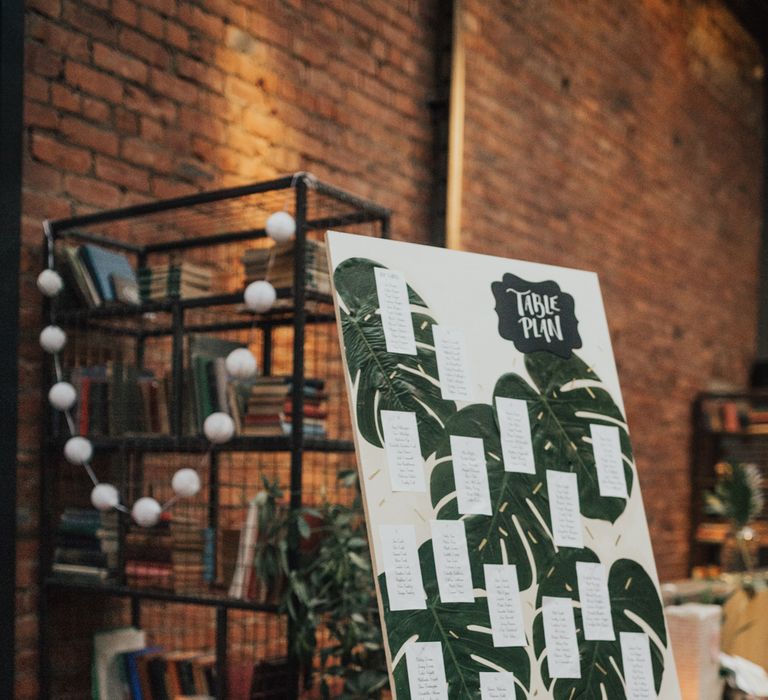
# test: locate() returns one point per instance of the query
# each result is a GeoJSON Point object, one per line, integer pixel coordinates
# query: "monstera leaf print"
{"type": "Point", "coordinates": [635, 607]}
{"type": "Point", "coordinates": [464, 632]}
{"type": "Point", "coordinates": [517, 532]}
{"type": "Point", "coordinates": [562, 403]}
{"type": "Point", "coordinates": [383, 380]}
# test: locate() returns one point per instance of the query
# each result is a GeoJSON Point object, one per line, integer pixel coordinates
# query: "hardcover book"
{"type": "Point", "coordinates": [103, 264]}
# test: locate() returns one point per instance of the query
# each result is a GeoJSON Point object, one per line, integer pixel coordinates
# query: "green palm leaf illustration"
{"type": "Point", "coordinates": [383, 380]}
{"type": "Point", "coordinates": [464, 631]}
{"type": "Point", "coordinates": [635, 607]}
{"type": "Point", "coordinates": [518, 530]}
{"type": "Point", "coordinates": [562, 403]}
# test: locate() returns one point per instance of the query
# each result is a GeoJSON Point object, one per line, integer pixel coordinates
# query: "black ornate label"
{"type": "Point", "coordinates": [536, 316]}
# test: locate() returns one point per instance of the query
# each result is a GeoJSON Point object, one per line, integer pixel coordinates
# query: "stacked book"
{"type": "Point", "coordinates": [315, 410]}
{"type": "Point", "coordinates": [269, 408]}
{"type": "Point", "coordinates": [141, 672]}
{"type": "Point", "coordinates": [180, 280]}
{"type": "Point", "coordinates": [86, 545]}
{"type": "Point", "coordinates": [187, 555]}
{"type": "Point", "coordinates": [275, 264]}
{"type": "Point", "coordinates": [151, 673]}
{"type": "Point", "coordinates": [154, 674]}
{"type": "Point", "coordinates": [94, 275]}
{"type": "Point", "coordinates": [148, 557]}
{"type": "Point", "coordinates": [757, 421]}
{"type": "Point", "coordinates": [243, 573]}
{"type": "Point", "coordinates": [211, 388]}
{"type": "Point", "coordinates": [114, 399]}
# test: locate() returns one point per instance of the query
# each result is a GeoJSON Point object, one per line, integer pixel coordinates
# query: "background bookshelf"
{"type": "Point", "coordinates": [727, 427]}
{"type": "Point", "coordinates": [142, 369]}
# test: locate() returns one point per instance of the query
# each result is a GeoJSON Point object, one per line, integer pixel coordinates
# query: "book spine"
{"type": "Point", "coordinates": [82, 278]}
{"type": "Point", "coordinates": [163, 407]}
{"type": "Point", "coordinates": [221, 381]}
{"type": "Point", "coordinates": [90, 269]}
{"type": "Point", "coordinates": [98, 423]}
{"type": "Point", "coordinates": [85, 396]}
{"type": "Point", "coordinates": [209, 554]}
{"type": "Point", "coordinates": [202, 390]}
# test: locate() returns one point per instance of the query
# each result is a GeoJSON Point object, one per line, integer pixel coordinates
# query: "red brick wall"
{"type": "Point", "coordinates": [127, 101]}
{"type": "Point", "coordinates": [621, 137]}
{"type": "Point", "coordinates": [625, 138]}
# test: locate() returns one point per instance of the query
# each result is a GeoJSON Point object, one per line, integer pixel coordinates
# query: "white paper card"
{"type": "Point", "coordinates": [497, 686]}
{"type": "Point", "coordinates": [392, 292]}
{"type": "Point", "coordinates": [638, 670]}
{"type": "Point", "coordinates": [516, 444]}
{"type": "Point", "coordinates": [401, 443]}
{"type": "Point", "coordinates": [595, 602]}
{"type": "Point", "coordinates": [560, 638]}
{"type": "Point", "coordinates": [401, 564]}
{"type": "Point", "coordinates": [426, 671]}
{"type": "Point", "coordinates": [563, 488]}
{"type": "Point", "coordinates": [471, 475]}
{"type": "Point", "coordinates": [504, 606]}
{"type": "Point", "coordinates": [606, 446]}
{"type": "Point", "coordinates": [454, 577]}
{"type": "Point", "coordinates": [452, 365]}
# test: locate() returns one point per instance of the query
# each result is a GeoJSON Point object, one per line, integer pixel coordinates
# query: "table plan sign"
{"type": "Point", "coordinates": [508, 536]}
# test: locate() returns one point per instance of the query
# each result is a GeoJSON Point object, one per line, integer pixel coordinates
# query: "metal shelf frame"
{"type": "Point", "coordinates": [297, 317]}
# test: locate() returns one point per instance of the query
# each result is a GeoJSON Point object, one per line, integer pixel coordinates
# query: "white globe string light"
{"type": "Point", "coordinates": [53, 339]}
{"type": "Point", "coordinates": [281, 227]}
{"type": "Point", "coordinates": [260, 296]}
{"type": "Point", "coordinates": [241, 364]}
{"type": "Point", "coordinates": [146, 511]}
{"type": "Point", "coordinates": [49, 282]}
{"type": "Point", "coordinates": [78, 450]}
{"type": "Point", "coordinates": [186, 483]}
{"type": "Point", "coordinates": [219, 427]}
{"type": "Point", "coordinates": [104, 497]}
{"type": "Point", "coordinates": [62, 396]}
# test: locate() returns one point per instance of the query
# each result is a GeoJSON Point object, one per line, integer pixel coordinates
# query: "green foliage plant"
{"type": "Point", "coordinates": [328, 593]}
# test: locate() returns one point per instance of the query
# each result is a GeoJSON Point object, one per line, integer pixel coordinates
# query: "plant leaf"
{"type": "Point", "coordinates": [513, 527]}
{"type": "Point", "coordinates": [632, 594]}
{"type": "Point", "coordinates": [457, 627]}
{"type": "Point", "coordinates": [388, 381]}
{"type": "Point", "coordinates": [560, 417]}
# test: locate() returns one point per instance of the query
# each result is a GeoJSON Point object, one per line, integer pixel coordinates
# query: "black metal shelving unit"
{"type": "Point", "coordinates": [217, 226]}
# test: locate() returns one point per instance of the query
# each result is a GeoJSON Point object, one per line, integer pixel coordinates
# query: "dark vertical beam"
{"type": "Point", "coordinates": [753, 16]}
{"type": "Point", "coordinates": [222, 635]}
{"type": "Point", "coordinates": [439, 106]}
{"type": "Point", "coordinates": [266, 349]}
{"type": "Point", "coordinates": [11, 80]}
{"type": "Point", "coordinates": [178, 392]}
{"type": "Point", "coordinates": [297, 405]}
{"type": "Point", "coordinates": [214, 491]}
{"type": "Point", "coordinates": [299, 322]}
{"type": "Point", "coordinates": [136, 611]}
{"type": "Point", "coordinates": [457, 106]}
{"type": "Point", "coordinates": [762, 320]}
